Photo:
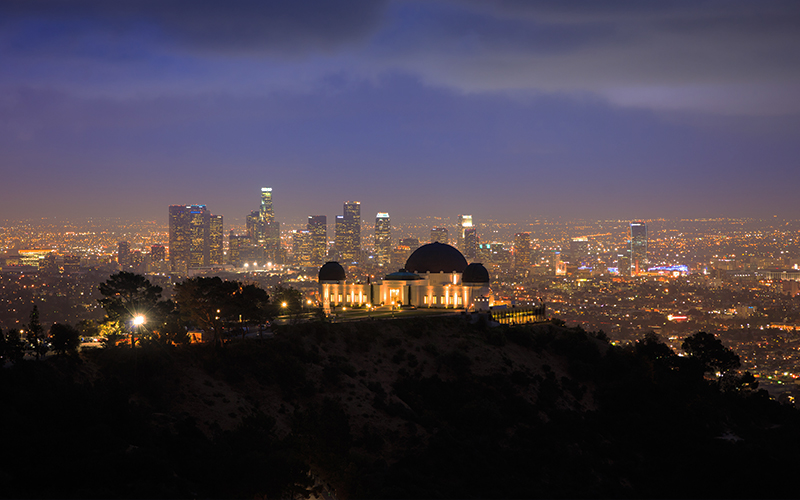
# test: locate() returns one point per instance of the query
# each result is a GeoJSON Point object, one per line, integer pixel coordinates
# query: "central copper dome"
{"type": "Point", "coordinates": [436, 258]}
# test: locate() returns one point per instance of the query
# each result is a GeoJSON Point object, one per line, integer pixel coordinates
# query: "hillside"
{"type": "Point", "coordinates": [426, 408]}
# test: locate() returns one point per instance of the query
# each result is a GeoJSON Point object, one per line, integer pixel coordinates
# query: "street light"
{"type": "Point", "coordinates": [138, 321]}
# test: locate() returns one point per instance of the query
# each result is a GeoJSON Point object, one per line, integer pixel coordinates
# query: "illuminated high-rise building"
{"type": "Point", "coordinates": [237, 248]}
{"type": "Point", "coordinates": [440, 235]}
{"type": "Point", "coordinates": [266, 213]}
{"type": "Point", "coordinates": [158, 253]}
{"type": "Point", "coordinates": [383, 238]}
{"type": "Point", "coordinates": [302, 247]}
{"type": "Point", "coordinates": [464, 223]}
{"type": "Point", "coordinates": [190, 237]}
{"type": "Point", "coordinates": [579, 251]}
{"type": "Point", "coordinates": [216, 254]}
{"type": "Point", "coordinates": [470, 243]}
{"type": "Point", "coordinates": [522, 249]}
{"type": "Point", "coordinates": [350, 249]}
{"type": "Point", "coordinates": [624, 262]}
{"type": "Point", "coordinates": [124, 255]}
{"type": "Point", "coordinates": [156, 261]}
{"type": "Point", "coordinates": [255, 229]}
{"type": "Point", "coordinates": [317, 227]}
{"type": "Point", "coordinates": [638, 252]}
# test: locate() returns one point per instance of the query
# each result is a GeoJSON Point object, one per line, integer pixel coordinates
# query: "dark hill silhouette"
{"type": "Point", "coordinates": [418, 408]}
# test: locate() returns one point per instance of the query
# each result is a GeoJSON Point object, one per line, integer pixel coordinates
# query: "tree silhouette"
{"type": "Point", "coordinates": [65, 338]}
{"type": "Point", "coordinates": [35, 334]}
{"type": "Point", "coordinates": [14, 347]}
{"type": "Point", "coordinates": [287, 300]}
{"type": "Point", "coordinates": [709, 351]}
{"type": "Point", "coordinates": [211, 303]}
{"type": "Point", "coordinates": [127, 295]}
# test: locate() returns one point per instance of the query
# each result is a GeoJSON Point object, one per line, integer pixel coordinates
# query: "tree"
{"type": "Point", "coordinates": [287, 300]}
{"type": "Point", "coordinates": [211, 303]}
{"type": "Point", "coordinates": [127, 295]}
{"type": "Point", "coordinates": [35, 335]}
{"type": "Point", "coordinates": [710, 352]}
{"type": "Point", "coordinates": [65, 338]}
{"type": "Point", "coordinates": [14, 347]}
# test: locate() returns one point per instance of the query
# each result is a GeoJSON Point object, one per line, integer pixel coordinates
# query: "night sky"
{"type": "Point", "coordinates": [509, 110]}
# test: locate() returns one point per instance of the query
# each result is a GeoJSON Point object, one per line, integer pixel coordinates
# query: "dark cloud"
{"type": "Point", "coordinates": [229, 26]}
{"type": "Point", "coordinates": [656, 54]}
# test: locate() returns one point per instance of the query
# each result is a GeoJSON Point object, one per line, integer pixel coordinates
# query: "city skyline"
{"type": "Point", "coordinates": [508, 110]}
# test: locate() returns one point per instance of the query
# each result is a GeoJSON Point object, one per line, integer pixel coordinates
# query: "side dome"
{"type": "Point", "coordinates": [331, 271]}
{"type": "Point", "coordinates": [475, 273]}
{"type": "Point", "coordinates": [436, 258]}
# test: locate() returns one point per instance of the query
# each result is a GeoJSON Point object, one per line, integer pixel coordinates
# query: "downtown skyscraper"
{"type": "Point", "coordinates": [383, 238]}
{"type": "Point", "coordinates": [348, 232]}
{"type": "Point", "coordinates": [195, 237]}
{"type": "Point", "coordinates": [317, 226]}
{"type": "Point", "coordinates": [638, 251]}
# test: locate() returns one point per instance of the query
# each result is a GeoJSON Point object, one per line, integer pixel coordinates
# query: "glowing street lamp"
{"type": "Point", "coordinates": [138, 321]}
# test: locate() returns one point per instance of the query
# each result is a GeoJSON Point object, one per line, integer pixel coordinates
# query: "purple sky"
{"type": "Point", "coordinates": [508, 110]}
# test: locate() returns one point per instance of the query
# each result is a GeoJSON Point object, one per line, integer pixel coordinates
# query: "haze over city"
{"type": "Point", "coordinates": [506, 110]}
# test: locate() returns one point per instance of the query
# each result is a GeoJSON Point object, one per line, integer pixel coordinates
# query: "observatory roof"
{"type": "Point", "coordinates": [436, 258]}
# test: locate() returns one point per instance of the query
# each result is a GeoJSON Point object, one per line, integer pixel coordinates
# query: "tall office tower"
{"type": "Point", "coordinates": [339, 235]}
{"type": "Point", "coordinates": [255, 229]}
{"type": "Point", "coordinates": [638, 247]}
{"type": "Point", "coordinates": [158, 253]}
{"type": "Point", "coordinates": [464, 222]}
{"type": "Point", "coordinates": [190, 236]}
{"type": "Point", "coordinates": [317, 226]}
{"type": "Point", "coordinates": [351, 238]}
{"type": "Point", "coordinates": [579, 251]}
{"type": "Point", "coordinates": [270, 229]}
{"type": "Point", "coordinates": [198, 236]}
{"type": "Point", "coordinates": [624, 262]}
{"type": "Point", "coordinates": [237, 248]}
{"type": "Point", "coordinates": [266, 213]}
{"type": "Point", "coordinates": [522, 249]}
{"type": "Point", "coordinates": [471, 243]}
{"type": "Point", "coordinates": [137, 261]}
{"type": "Point", "coordinates": [156, 261]}
{"type": "Point", "coordinates": [302, 247]}
{"type": "Point", "coordinates": [124, 255]}
{"type": "Point", "coordinates": [216, 254]}
{"type": "Point", "coordinates": [383, 238]}
{"type": "Point", "coordinates": [440, 234]}
{"type": "Point", "coordinates": [179, 238]}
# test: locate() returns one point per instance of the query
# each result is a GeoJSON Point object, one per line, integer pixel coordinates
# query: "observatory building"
{"type": "Point", "coordinates": [436, 275]}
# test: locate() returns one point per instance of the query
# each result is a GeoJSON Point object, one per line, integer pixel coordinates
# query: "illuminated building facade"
{"type": "Point", "coordinates": [349, 242]}
{"type": "Point", "coordinates": [471, 243]}
{"type": "Point", "coordinates": [522, 250]}
{"type": "Point", "coordinates": [638, 251]}
{"type": "Point", "coordinates": [237, 248]}
{"type": "Point", "coordinates": [266, 213]}
{"type": "Point", "coordinates": [440, 234]}
{"type": "Point", "coordinates": [579, 251]}
{"type": "Point", "coordinates": [435, 275]}
{"type": "Point", "coordinates": [317, 226]}
{"type": "Point", "coordinates": [302, 247]}
{"type": "Point", "coordinates": [216, 254]}
{"type": "Point", "coordinates": [383, 238]}
{"type": "Point", "coordinates": [124, 255]}
{"type": "Point", "coordinates": [191, 239]}
{"type": "Point", "coordinates": [464, 222]}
